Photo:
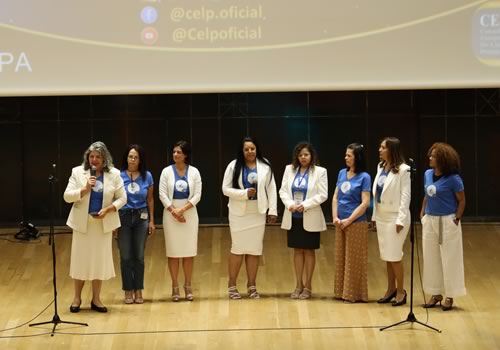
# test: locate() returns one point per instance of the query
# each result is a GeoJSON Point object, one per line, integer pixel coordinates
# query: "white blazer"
{"type": "Point", "coordinates": [317, 193]}
{"type": "Point", "coordinates": [167, 182]}
{"type": "Point", "coordinates": [238, 197]}
{"type": "Point", "coordinates": [113, 193]}
{"type": "Point", "coordinates": [396, 195]}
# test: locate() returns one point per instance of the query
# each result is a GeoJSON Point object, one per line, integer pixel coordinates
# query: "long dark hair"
{"type": "Point", "coordinates": [359, 157]}
{"type": "Point", "coordinates": [185, 148]}
{"type": "Point", "coordinates": [240, 160]}
{"type": "Point", "coordinates": [296, 151]}
{"type": "Point", "coordinates": [396, 155]}
{"type": "Point", "coordinates": [142, 159]}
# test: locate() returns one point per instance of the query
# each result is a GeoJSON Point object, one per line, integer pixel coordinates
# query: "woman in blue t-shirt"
{"type": "Point", "coordinates": [180, 192]}
{"type": "Point", "coordinates": [349, 204]}
{"type": "Point", "coordinates": [442, 209]}
{"type": "Point", "coordinates": [137, 222]}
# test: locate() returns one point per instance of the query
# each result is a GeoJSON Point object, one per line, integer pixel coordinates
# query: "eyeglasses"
{"type": "Point", "coordinates": [133, 157]}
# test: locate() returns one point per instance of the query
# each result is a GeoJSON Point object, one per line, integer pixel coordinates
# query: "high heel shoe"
{"type": "Point", "coordinates": [233, 293]}
{"type": "Point", "coordinates": [296, 293]}
{"type": "Point", "coordinates": [388, 298]}
{"type": "Point", "coordinates": [189, 293]}
{"type": "Point", "coordinates": [175, 294]}
{"type": "Point", "coordinates": [435, 299]}
{"type": "Point", "coordinates": [448, 304]}
{"type": "Point", "coordinates": [401, 302]}
{"type": "Point", "coordinates": [98, 308]}
{"type": "Point", "coordinates": [252, 292]}
{"type": "Point", "coordinates": [305, 294]}
{"type": "Point", "coordinates": [74, 308]}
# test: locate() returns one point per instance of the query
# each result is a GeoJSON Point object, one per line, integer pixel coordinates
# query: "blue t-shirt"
{"type": "Point", "coordinates": [440, 195]}
{"type": "Point", "coordinates": [349, 193]}
{"type": "Point", "coordinates": [250, 179]}
{"type": "Point", "coordinates": [137, 190]}
{"type": "Point", "coordinates": [181, 185]}
{"type": "Point", "coordinates": [380, 184]}
{"type": "Point", "coordinates": [96, 195]}
{"type": "Point", "coordinates": [299, 190]}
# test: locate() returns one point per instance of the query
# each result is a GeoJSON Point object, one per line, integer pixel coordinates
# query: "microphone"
{"type": "Point", "coordinates": [52, 176]}
{"type": "Point", "coordinates": [412, 164]}
{"type": "Point", "coordinates": [93, 170]}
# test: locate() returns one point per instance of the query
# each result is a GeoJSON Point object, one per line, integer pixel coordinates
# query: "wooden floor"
{"type": "Point", "coordinates": [273, 322]}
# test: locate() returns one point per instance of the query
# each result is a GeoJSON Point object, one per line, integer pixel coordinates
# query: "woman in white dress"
{"type": "Point", "coordinates": [96, 190]}
{"type": "Point", "coordinates": [391, 213]}
{"type": "Point", "coordinates": [180, 191]}
{"type": "Point", "coordinates": [249, 184]}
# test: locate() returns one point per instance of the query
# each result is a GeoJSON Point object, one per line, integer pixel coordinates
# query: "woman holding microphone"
{"type": "Point", "coordinates": [96, 190]}
{"type": "Point", "coordinates": [249, 184]}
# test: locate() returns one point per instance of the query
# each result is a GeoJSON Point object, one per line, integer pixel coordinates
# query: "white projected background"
{"type": "Point", "coordinates": [61, 47]}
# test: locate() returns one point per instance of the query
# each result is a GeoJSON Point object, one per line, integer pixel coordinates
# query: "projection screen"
{"type": "Point", "coordinates": [75, 47]}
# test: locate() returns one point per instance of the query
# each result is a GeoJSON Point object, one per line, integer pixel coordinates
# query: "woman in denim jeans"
{"type": "Point", "coordinates": [137, 222]}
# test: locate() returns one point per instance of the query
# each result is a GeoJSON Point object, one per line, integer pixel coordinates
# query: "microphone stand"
{"type": "Point", "coordinates": [411, 316]}
{"type": "Point", "coordinates": [55, 319]}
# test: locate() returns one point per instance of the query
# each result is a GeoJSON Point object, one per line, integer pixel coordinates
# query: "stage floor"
{"type": "Point", "coordinates": [213, 321]}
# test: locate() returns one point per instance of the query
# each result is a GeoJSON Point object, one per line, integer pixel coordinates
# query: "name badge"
{"type": "Point", "coordinates": [144, 215]}
{"type": "Point", "coordinates": [298, 197]}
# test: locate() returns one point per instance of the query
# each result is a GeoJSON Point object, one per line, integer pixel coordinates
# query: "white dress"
{"type": "Point", "coordinates": [92, 253]}
{"type": "Point", "coordinates": [181, 239]}
{"type": "Point", "coordinates": [247, 231]}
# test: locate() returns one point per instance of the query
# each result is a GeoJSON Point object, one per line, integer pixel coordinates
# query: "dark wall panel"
{"type": "Point", "coordinates": [36, 132]}
{"type": "Point", "coordinates": [40, 152]}
{"type": "Point", "coordinates": [11, 176]}
{"type": "Point", "coordinates": [206, 159]}
{"type": "Point", "coordinates": [488, 160]}
{"type": "Point", "coordinates": [461, 135]}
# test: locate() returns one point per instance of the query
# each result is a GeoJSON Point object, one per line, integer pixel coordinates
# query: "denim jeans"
{"type": "Point", "coordinates": [132, 242]}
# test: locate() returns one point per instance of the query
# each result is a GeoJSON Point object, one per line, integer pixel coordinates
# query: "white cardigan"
{"type": "Point", "coordinates": [167, 182]}
{"type": "Point", "coordinates": [238, 198]}
{"type": "Point", "coordinates": [317, 193]}
{"type": "Point", "coordinates": [113, 193]}
{"type": "Point", "coordinates": [396, 194]}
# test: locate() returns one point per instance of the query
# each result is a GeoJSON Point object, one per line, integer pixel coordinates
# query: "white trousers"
{"type": "Point", "coordinates": [443, 256]}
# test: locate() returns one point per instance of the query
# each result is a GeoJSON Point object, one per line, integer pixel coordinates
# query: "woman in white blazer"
{"type": "Point", "coordinates": [249, 184]}
{"type": "Point", "coordinates": [391, 213]}
{"type": "Point", "coordinates": [96, 190]}
{"type": "Point", "coordinates": [180, 191]}
{"type": "Point", "coordinates": [303, 188]}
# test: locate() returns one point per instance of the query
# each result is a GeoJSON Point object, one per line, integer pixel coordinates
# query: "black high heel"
{"type": "Point", "coordinates": [74, 308]}
{"type": "Point", "coordinates": [388, 298]}
{"type": "Point", "coordinates": [401, 302]}
{"type": "Point", "coordinates": [98, 308]}
{"type": "Point", "coordinates": [435, 299]}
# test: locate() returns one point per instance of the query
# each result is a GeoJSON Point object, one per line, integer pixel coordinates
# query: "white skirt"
{"type": "Point", "coordinates": [92, 253]}
{"type": "Point", "coordinates": [181, 239]}
{"type": "Point", "coordinates": [247, 231]}
{"type": "Point", "coordinates": [390, 243]}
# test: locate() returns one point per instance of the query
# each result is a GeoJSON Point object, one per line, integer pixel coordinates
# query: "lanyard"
{"type": "Point", "coordinates": [301, 178]}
